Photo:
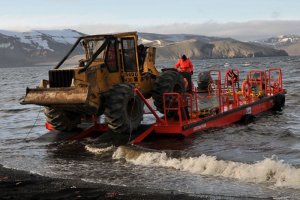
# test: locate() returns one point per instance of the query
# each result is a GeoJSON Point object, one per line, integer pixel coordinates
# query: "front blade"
{"type": "Point", "coordinates": [56, 96]}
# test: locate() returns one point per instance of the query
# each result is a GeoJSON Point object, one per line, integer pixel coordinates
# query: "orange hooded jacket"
{"type": "Point", "coordinates": [184, 65]}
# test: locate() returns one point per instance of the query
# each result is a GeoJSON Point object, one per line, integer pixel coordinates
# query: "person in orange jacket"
{"type": "Point", "coordinates": [186, 68]}
{"type": "Point", "coordinates": [184, 65]}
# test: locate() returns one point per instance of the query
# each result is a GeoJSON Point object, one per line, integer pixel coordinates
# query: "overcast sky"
{"type": "Point", "coordinates": [240, 19]}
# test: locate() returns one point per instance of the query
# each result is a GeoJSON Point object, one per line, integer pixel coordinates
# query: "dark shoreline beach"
{"type": "Point", "coordinates": [15, 184]}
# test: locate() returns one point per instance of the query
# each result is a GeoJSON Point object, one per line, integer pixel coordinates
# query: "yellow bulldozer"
{"type": "Point", "coordinates": [102, 82]}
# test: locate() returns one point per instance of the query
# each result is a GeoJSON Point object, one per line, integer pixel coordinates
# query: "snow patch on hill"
{"type": "Point", "coordinates": [281, 40]}
{"type": "Point", "coordinates": [5, 45]}
{"type": "Point", "coordinates": [41, 38]}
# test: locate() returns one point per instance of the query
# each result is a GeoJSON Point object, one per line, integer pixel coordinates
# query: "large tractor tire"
{"type": "Point", "coordinates": [204, 79]}
{"type": "Point", "coordinates": [279, 102]}
{"type": "Point", "coordinates": [123, 109]}
{"type": "Point", "coordinates": [168, 81]}
{"type": "Point", "coordinates": [62, 120]}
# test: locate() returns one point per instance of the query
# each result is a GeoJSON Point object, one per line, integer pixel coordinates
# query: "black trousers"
{"type": "Point", "coordinates": [188, 77]}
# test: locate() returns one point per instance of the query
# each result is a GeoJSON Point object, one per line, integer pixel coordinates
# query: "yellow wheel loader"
{"type": "Point", "coordinates": [102, 81]}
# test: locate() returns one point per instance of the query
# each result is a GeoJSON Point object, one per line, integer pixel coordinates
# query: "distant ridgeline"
{"type": "Point", "coordinates": [220, 49]}
{"type": "Point", "coordinates": [203, 47]}
{"type": "Point", "coordinates": [41, 46]}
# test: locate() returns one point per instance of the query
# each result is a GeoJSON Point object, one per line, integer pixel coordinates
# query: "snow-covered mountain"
{"type": "Point", "coordinates": [289, 43]}
{"type": "Point", "coordinates": [40, 39]}
{"type": "Point", "coordinates": [44, 46]}
{"type": "Point", "coordinates": [26, 48]}
{"type": "Point", "coordinates": [282, 40]}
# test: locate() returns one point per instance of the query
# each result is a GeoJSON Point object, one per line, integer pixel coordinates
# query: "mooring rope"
{"type": "Point", "coordinates": [33, 125]}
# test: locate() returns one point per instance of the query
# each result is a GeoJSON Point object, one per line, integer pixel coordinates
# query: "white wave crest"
{"type": "Point", "coordinates": [268, 170]}
{"type": "Point", "coordinates": [96, 150]}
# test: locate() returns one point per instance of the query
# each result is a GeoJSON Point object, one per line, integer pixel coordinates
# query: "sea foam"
{"type": "Point", "coordinates": [268, 170]}
{"type": "Point", "coordinates": [97, 150]}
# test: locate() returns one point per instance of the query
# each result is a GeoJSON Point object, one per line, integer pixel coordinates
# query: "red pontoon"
{"type": "Point", "coordinates": [222, 104]}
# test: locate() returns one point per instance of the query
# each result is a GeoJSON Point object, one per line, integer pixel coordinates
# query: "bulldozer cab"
{"type": "Point", "coordinates": [116, 53]}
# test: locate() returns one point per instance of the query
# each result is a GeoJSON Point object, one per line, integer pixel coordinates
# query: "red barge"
{"type": "Point", "coordinates": [222, 103]}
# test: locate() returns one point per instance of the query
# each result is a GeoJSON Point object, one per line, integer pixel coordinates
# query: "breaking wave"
{"type": "Point", "coordinates": [268, 170]}
{"type": "Point", "coordinates": [96, 150]}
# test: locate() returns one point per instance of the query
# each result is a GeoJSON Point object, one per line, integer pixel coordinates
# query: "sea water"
{"type": "Point", "coordinates": [259, 160]}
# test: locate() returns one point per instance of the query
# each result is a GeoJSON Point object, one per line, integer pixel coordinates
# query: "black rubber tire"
{"type": "Point", "coordinates": [204, 80]}
{"type": "Point", "coordinates": [279, 102]}
{"type": "Point", "coordinates": [62, 120]}
{"type": "Point", "coordinates": [167, 81]}
{"type": "Point", "coordinates": [124, 109]}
